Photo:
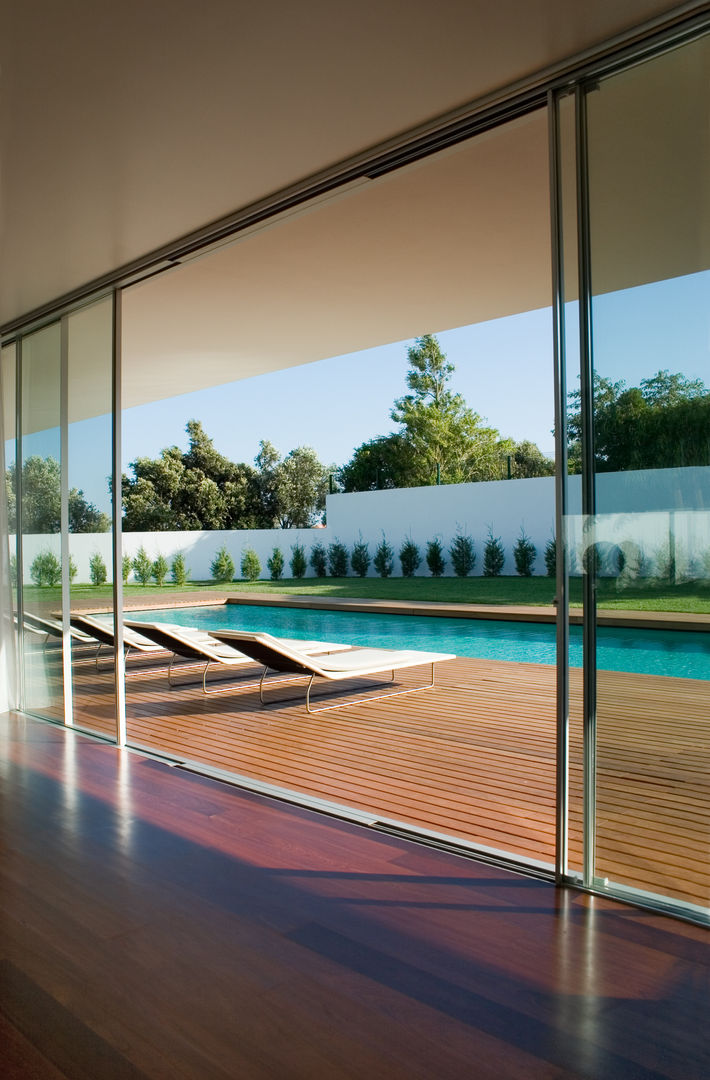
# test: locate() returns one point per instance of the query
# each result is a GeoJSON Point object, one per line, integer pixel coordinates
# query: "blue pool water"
{"type": "Point", "coordinates": [682, 654]}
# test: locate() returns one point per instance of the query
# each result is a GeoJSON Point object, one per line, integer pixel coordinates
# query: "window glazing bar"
{"type": "Point", "coordinates": [116, 509]}
{"type": "Point", "coordinates": [562, 579]}
{"type": "Point", "coordinates": [19, 550]}
{"type": "Point", "coordinates": [64, 517]}
{"type": "Point", "coordinates": [589, 631]}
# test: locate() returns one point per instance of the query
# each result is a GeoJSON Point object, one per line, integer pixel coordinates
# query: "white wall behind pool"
{"type": "Point", "coordinates": [656, 510]}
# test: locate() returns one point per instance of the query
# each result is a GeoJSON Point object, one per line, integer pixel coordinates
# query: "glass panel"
{"type": "Point", "coordinates": [313, 320]}
{"type": "Point", "coordinates": [647, 548]}
{"type": "Point", "coordinates": [90, 450]}
{"type": "Point", "coordinates": [41, 511]}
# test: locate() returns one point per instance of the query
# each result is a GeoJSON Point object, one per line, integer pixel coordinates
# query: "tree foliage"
{"type": "Point", "coordinates": [550, 557]}
{"type": "Point", "coordinates": [222, 567]}
{"type": "Point", "coordinates": [528, 460]}
{"type": "Point", "coordinates": [435, 557]}
{"type": "Point", "coordinates": [41, 500]}
{"type": "Point", "coordinates": [160, 569]}
{"type": "Point", "coordinates": [439, 439]}
{"type": "Point", "coordinates": [97, 569]}
{"type": "Point", "coordinates": [463, 555]}
{"type": "Point", "coordinates": [524, 554]}
{"type": "Point", "coordinates": [360, 557]}
{"type": "Point", "coordinates": [409, 558]}
{"type": "Point", "coordinates": [46, 569]}
{"type": "Point", "coordinates": [178, 570]}
{"type": "Point", "coordinates": [297, 562]}
{"type": "Point", "coordinates": [318, 560]}
{"type": "Point", "coordinates": [493, 556]}
{"type": "Point", "coordinates": [664, 422]}
{"type": "Point", "coordinates": [382, 463]}
{"type": "Point", "coordinates": [275, 564]}
{"type": "Point", "coordinates": [198, 489]}
{"type": "Point", "coordinates": [384, 558]}
{"type": "Point", "coordinates": [337, 559]}
{"type": "Point", "coordinates": [142, 566]}
{"type": "Point", "coordinates": [250, 566]}
{"type": "Point", "coordinates": [203, 489]}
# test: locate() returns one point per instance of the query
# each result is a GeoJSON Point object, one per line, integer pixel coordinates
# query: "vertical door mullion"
{"type": "Point", "coordinates": [64, 517]}
{"type": "Point", "coordinates": [19, 547]}
{"type": "Point", "coordinates": [589, 633]}
{"type": "Point", "coordinates": [116, 504]}
{"type": "Point", "coordinates": [562, 578]}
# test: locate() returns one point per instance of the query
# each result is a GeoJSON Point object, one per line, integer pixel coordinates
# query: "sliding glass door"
{"type": "Point", "coordinates": [638, 521]}
{"type": "Point", "coordinates": [39, 519]}
{"type": "Point", "coordinates": [60, 503]}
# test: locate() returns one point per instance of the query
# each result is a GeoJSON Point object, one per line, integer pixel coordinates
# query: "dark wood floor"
{"type": "Point", "coordinates": [160, 924]}
{"type": "Point", "coordinates": [477, 764]}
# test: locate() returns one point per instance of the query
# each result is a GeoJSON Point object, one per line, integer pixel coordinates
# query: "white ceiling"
{"type": "Point", "coordinates": [125, 126]}
{"type": "Point", "coordinates": [453, 240]}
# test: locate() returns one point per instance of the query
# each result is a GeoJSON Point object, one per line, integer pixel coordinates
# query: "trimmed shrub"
{"type": "Point", "coordinates": [222, 567]}
{"type": "Point", "coordinates": [250, 566]}
{"type": "Point", "coordinates": [125, 568]}
{"type": "Point", "coordinates": [160, 570]}
{"type": "Point", "coordinates": [46, 569]}
{"type": "Point", "coordinates": [73, 569]}
{"type": "Point", "coordinates": [463, 556]}
{"type": "Point", "coordinates": [360, 558]}
{"type": "Point", "coordinates": [275, 564]}
{"type": "Point", "coordinates": [384, 558]}
{"type": "Point", "coordinates": [97, 569]}
{"type": "Point", "coordinates": [665, 560]}
{"type": "Point", "coordinates": [13, 570]}
{"type": "Point", "coordinates": [409, 558]}
{"type": "Point", "coordinates": [524, 553]}
{"type": "Point", "coordinates": [592, 560]}
{"type": "Point", "coordinates": [142, 566]}
{"type": "Point", "coordinates": [493, 556]}
{"type": "Point", "coordinates": [297, 562]}
{"type": "Point", "coordinates": [318, 560]}
{"type": "Point", "coordinates": [550, 557]}
{"type": "Point", "coordinates": [337, 559]}
{"type": "Point", "coordinates": [435, 557]}
{"type": "Point", "coordinates": [178, 571]}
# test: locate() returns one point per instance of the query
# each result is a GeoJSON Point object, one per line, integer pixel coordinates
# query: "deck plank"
{"type": "Point", "coordinates": [476, 764]}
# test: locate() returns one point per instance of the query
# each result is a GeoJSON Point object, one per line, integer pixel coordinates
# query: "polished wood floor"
{"type": "Point", "coordinates": [473, 759]}
{"type": "Point", "coordinates": [160, 924]}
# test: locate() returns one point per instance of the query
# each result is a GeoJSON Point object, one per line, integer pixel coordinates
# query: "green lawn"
{"type": "Point", "coordinates": [693, 597]}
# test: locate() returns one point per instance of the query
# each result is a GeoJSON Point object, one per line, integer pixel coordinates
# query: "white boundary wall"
{"type": "Point", "coordinates": [645, 508]}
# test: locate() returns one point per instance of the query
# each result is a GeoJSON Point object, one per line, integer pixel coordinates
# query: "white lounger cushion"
{"type": "Point", "coordinates": [355, 661]}
{"type": "Point", "coordinates": [216, 651]}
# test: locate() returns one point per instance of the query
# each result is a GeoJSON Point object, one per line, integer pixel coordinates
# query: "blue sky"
{"type": "Point", "coordinates": [503, 370]}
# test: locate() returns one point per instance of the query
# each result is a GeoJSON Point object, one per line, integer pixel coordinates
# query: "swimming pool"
{"type": "Point", "coordinates": [683, 654]}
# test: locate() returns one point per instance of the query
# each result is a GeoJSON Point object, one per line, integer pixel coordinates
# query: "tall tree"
{"type": "Point", "coordinates": [198, 489]}
{"type": "Point", "coordinates": [662, 423]}
{"type": "Point", "coordinates": [302, 485]}
{"type": "Point", "coordinates": [384, 462]}
{"type": "Point", "coordinates": [440, 437]}
{"type": "Point", "coordinates": [41, 500]}
{"type": "Point", "coordinates": [203, 489]}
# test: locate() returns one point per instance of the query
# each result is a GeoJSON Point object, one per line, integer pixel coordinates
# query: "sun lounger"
{"type": "Point", "coordinates": [101, 630]}
{"type": "Point", "coordinates": [279, 656]}
{"type": "Point", "coordinates": [53, 628]}
{"type": "Point", "coordinates": [209, 650]}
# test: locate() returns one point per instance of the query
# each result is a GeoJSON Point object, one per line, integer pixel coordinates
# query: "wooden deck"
{"type": "Point", "coordinates": [476, 764]}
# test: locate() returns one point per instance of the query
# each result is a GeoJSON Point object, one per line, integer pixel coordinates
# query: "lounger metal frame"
{"type": "Point", "coordinates": [343, 704]}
